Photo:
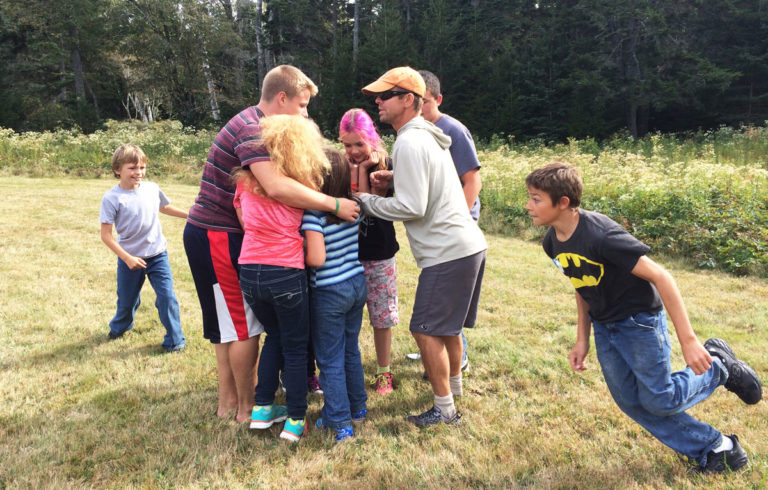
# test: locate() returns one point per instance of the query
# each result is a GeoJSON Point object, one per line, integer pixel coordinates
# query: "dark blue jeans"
{"type": "Point", "coordinates": [129, 283]}
{"type": "Point", "coordinates": [279, 298]}
{"type": "Point", "coordinates": [634, 356]}
{"type": "Point", "coordinates": [337, 313]}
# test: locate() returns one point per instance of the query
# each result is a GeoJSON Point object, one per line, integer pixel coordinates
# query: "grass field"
{"type": "Point", "coordinates": [79, 411]}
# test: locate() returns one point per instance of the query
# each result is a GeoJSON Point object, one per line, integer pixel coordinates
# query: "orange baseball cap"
{"type": "Point", "coordinates": [403, 77]}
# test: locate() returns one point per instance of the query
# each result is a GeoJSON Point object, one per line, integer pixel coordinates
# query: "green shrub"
{"type": "Point", "coordinates": [702, 196]}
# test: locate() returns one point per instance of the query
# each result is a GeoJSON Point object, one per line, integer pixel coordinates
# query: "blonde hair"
{"type": "Point", "coordinates": [127, 153]}
{"type": "Point", "coordinates": [288, 79]}
{"type": "Point", "coordinates": [295, 148]}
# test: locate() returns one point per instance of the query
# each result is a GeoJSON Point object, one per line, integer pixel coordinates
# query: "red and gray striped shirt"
{"type": "Point", "coordinates": [238, 144]}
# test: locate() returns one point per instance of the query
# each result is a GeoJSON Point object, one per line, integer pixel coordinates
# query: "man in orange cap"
{"type": "Point", "coordinates": [445, 241]}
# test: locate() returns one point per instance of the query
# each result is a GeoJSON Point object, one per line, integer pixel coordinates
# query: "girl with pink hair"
{"type": "Point", "coordinates": [378, 244]}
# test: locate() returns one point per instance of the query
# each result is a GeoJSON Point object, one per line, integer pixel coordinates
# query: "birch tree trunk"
{"type": "Point", "coordinates": [356, 33]}
{"type": "Point", "coordinates": [215, 113]}
{"type": "Point", "coordinates": [77, 69]}
{"type": "Point", "coordinates": [261, 62]}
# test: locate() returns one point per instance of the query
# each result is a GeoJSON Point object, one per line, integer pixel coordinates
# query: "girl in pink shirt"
{"type": "Point", "coordinates": [272, 274]}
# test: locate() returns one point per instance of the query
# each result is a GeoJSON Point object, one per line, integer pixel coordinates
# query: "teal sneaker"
{"type": "Point", "coordinates": [294, 429]}
{"type": "Point", "coordinates": [262, 417]}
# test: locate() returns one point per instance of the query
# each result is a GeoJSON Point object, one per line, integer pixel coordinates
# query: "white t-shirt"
{"type": "Point", "coordinates": [134, 215]}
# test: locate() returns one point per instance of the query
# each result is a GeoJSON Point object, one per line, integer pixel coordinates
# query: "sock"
{"type": "Point", "coordinates": [446, 406]}
{"type": "Point", "coordinates": [726, 445]}
{"type": "Point", "coordinates": [457, 388]}
{"type": "Point", "coordinates": [382, 370]}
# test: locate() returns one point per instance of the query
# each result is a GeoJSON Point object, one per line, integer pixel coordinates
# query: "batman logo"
{"type": "Point", "coordinates": [580, 270]}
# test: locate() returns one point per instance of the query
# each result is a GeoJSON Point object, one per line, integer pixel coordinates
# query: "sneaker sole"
{"type": "Point", "coordinates": [290, 436]}
{"type": "Point", "coordinates": [266, 424]}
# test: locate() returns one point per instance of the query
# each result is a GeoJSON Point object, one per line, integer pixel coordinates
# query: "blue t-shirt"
{"type": "Point", "coordinates": [134, 215]}
{"type": "Point", "coordinates": [341, 249]}
{"type": "Point", "coordinates": [462, 151]}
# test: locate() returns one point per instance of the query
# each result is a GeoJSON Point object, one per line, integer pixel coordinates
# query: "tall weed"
{"type": "Point", "coordinates": [702, 196]}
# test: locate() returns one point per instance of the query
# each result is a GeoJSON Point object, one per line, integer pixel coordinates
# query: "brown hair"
{"type": "Point", "coordinates": [288, 79]}
{"type": "Point", "coordinates": [431, 82]}
{"type": "Point", "coordinates": [337, 180]}
{"type": "Point", "coordinates": [127, 153]}
{"type": "Point", "coordinates": [557, 179]}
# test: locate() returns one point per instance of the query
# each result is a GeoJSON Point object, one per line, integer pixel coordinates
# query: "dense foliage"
{"type": "Point", "coordinates": [702, 196]}
{"type": "Point", "coordinates": [552, 69]}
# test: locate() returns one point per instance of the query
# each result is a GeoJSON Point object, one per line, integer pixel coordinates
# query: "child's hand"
{"type": "Point", "coordinates": [696, 357]}
{"type": "Point", "coordinates": [577, 356]}
{"type": "Point", "coordinates": [373, 159]}
{"type": "Point", "coordinates": [349, 210]}
{"type": "Point", "coordinates": [135, 263]}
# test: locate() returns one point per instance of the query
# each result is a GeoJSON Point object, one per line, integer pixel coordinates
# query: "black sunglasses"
{"type": "Point", "coordinates": [391, 93]}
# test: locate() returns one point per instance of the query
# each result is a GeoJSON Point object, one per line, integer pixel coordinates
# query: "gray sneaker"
{"type": "Point", "coordinates": [433, 416]}
{"type": "Point", "coordinates": [742, 379]}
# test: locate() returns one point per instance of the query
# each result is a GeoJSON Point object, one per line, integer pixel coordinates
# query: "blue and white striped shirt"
{"type": "Point", "coordinates": [341, 262]}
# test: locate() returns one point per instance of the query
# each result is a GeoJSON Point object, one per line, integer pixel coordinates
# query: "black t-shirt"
{"type": "Point", "coordinates": [599, 258]}
{"type": "Point", "coordinates": [377, 240]}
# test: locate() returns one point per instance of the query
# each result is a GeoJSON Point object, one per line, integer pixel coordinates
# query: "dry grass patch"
{"type": "Point", "coordinates": [79, 411]}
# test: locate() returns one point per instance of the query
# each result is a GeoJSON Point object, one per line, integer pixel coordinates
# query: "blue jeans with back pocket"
{"type": "Point", "coordinates": [337, 313]}
{"type": "Point", "coordinates": [279, 297]}
{"type": "Point", "coordinates": [634, 356]}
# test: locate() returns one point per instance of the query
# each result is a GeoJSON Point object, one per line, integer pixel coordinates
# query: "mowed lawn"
{"type": "Point", "coordinates": [80, 411]}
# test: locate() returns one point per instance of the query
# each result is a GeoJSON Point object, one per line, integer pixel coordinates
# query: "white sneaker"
{"type": "Point", "coordinates": [413, 356]}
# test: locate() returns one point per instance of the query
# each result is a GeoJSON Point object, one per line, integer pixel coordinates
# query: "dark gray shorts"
{"type": "Point", "coordinates": [447, 296]}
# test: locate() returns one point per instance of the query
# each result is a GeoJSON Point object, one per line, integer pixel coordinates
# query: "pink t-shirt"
{"type": "Point", "coordinates": [272, 234]}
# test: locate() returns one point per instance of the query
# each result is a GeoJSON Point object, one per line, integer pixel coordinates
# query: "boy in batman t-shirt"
{"type": "Point", "coordinates": [623, 293]}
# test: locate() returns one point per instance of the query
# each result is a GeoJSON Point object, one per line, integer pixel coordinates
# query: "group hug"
{"type": "Point", "coordinates": [291, 237]}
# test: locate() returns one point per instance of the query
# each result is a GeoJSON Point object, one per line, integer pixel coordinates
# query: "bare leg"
{"type": "Point", "coordinates": [227, 389]}
{"type": "Point", "coordinates": [434, 356]}
{"type": "Point", "coordinates": [242, 359]}
{"type": "Point", "coordinates": [382, 340]}
{"type": "Point", "coordinates": [455, 348]}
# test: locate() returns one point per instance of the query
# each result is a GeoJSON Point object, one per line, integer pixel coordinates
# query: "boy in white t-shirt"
{"type": "Point", "coordinates": [132, 206]}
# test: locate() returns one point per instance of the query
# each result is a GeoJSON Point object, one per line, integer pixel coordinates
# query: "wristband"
{"type": "Point", "coordinates": [336, 212]}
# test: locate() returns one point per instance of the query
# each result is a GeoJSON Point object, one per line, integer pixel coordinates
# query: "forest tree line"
{"type": "Point", "coordinates": [522, 68]}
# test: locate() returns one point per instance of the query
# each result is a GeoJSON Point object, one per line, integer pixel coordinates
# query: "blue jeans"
{"type": "Point", "coordinates": [463, 347]}
{"type": "Point", "coordinates": [634, 356]}
{"type": "Point", "coordinates": [129, 283]}
{"type": "Point", "coordinates": [337, 313]}
{"type": "Point", "coordinates": [279, 298]}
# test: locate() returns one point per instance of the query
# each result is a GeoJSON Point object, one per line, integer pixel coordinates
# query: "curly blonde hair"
{"type": "Point", "coordinates": [295, 147]}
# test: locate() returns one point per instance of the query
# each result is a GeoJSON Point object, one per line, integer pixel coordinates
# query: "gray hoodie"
{"type": "Point", "coordinates": [428, 197]}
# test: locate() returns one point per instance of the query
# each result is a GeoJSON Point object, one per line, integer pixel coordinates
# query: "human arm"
{"type": "Point", "coordinates": [380, 181]}
{"type": "Point", "coordinates": [173, 211]}
{"type": "Point", "coordinates": [694, 353]}
{"type": "Point", "coordinates": [363, 180]}
{"type": "Point", "coordinates": [583, 328]}
{"type": "Point", "coordinates": [315, 248]}
{"type": "Point", "coordinates": [411, 183]}
{"type": "Point", "coordinates": [108, 238]}
{"type": "Point", "coordinates": [292, 193]}
{"type": "Point", "coordinates": [471, 186]}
